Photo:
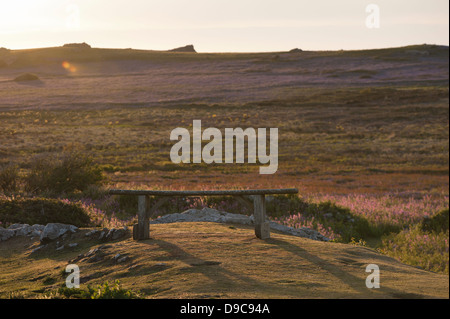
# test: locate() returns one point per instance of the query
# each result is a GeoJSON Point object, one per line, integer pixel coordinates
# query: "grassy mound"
{"type": "Point", "coordinates": [26, 77]}
{"type": "Point", "coordinates": [42, 211]}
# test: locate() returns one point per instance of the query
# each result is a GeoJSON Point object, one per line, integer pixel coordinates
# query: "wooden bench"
{"type": "Point", "coordinates": [258, 203]}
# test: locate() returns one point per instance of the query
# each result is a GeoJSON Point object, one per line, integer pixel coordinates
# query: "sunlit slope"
{"type": "Point", "coordinates": [208, 260]}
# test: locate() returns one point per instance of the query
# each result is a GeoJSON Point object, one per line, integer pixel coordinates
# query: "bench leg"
{"type": "Point", "coordinates": [142, 229]}
{"type": "Point", "coordinates": [262, 227]}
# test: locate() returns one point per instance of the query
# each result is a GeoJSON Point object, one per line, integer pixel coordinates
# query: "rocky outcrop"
{"type": "Point", "coordinates": [45, 233]}
{"type": "Point", "coordinates": [83, 45]}
{"type": "Point", "coordinates": [212, 215]}
{"type": "Point", "coordinates": [53, 231]}
{"type": "Point", "coordinates": [187, 48]}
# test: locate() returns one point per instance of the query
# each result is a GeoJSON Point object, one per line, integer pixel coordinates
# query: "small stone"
{"type": "Point", "coordinates": [116, 257]}
{"type": "Point", "coordinates": [123, 259]}
{"type": "Point", "coordinates": [103, 233]}
{"type": "Point", "coordinates": [38, 248]}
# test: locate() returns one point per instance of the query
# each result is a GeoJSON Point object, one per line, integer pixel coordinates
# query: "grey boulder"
{"type": "Point", "coordinates": [53, 231]}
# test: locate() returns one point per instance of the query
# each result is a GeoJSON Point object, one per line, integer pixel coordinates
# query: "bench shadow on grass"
{"type": "Point", "coordinates": [354, 282]}
{"type": "Point", "coordinates": [221, 279]}
{"type": "Point", "coordinates": [226, 280]}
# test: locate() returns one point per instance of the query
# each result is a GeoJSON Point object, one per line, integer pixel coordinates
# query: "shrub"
{"type": "Point", "coordinates": [420, 248]}
{"type": "Point", "coordinates": [9, 178]}
{"type": "Point", "coordinates": [68, 173]}
{"type": "Point", "coordinates": [329, 219]}
{"type": "Point", "coordinates": [437, 223]}
{"type": "Point", "coordinates": [42, 211]}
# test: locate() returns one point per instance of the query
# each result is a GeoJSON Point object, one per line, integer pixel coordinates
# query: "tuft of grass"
{"type": "Point", "coordinates": [102, 291]}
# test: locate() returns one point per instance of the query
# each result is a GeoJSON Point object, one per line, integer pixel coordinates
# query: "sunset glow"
{"type": "Point", "coordinates": [221, 26]}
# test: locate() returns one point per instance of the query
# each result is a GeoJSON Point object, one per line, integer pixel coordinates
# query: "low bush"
{"type": "Point", "coordinates": [68, 173]}
{"type": "Point", "coordinates": [416, 247]}
{"type": "Point", "coordinates": [42, 211]}
{"type": "Point", "coordinates": [333, 221]}
{"type": "Point", "coordinates": [437, 223]}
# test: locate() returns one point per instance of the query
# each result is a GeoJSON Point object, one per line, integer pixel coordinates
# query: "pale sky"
{"type": "Point", "coordinates": [222, 25]}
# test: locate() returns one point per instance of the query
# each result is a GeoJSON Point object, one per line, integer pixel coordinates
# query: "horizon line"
{"type": "Point", "coordinates": [208, 52]}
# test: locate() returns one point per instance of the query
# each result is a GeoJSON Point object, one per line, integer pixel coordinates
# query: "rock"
{"type": "Point", "coordinates": [25, 230]}
{"type": "Point", "coordinates": [206, 214]}
{"type": "Point", "coordinates": [103, 233]}
{"type": "Point", "coordinates": [20, 229]}
{"type": "Point", "coordinates": [36, 230]}
{"type": "Point", "coordinates": [187, 48]}
{"type": "Point", "coordinates": [38, 248]}
{"type": "Point", "coordinates": [114, 234]}
{"type": "Point", "coordinates": [95, 258]}
{"type": "Point", "coordinates": [296, 50]}
{"type": "Point", "coordinates": [92, 233]}
{"type": "Point", "coordinates": [53, 231]}
{"type": "Point", "coordinates": [91, 252]}
{"type": "Point", "coordinates": [72, 245]}
{"type": "Point", "coordinates": [5, 234]}
{"type": "Point", "coordinates": [15, 226]}
{"type": "Point", "coordinates": [123, 259]}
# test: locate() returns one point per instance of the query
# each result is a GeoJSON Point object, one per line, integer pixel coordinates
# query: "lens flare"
{"type": "Point", "coordinates": [69, 67]}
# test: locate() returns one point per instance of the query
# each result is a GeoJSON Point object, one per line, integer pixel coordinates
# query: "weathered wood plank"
{"type": "Point", "coordinates": [204, 193]}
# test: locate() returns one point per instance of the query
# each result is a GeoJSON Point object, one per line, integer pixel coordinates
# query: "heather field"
{"type": "Point", "coordinates": [363, 135]}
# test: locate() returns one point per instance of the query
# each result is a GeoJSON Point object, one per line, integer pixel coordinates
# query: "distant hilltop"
{"type": "Point", "coordinates": [188, 48]}
{"type": "Point", "coordinates": [83, 52]}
